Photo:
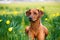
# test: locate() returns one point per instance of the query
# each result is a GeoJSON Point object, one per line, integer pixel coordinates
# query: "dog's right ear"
{"type": "Point", "coordinates": [28, 12]}
{"type": "Point", "coordinates": [40, 13]}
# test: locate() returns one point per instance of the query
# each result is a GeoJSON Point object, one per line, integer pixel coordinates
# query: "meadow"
{"type": "Point", "coordinates": [13, 20]}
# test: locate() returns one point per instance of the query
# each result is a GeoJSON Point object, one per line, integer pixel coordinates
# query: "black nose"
{"type": "Point", "coordinates": [30, 18]}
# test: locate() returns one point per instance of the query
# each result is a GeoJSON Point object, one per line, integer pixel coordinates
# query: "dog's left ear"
{"type": "Point", "coordinates": [40, 12]}
{"type": "Point", "coordinates": [27, 12]}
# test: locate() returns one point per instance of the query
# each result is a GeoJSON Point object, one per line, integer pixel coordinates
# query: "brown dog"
{"type": "Point", "coordinates": [36, 29]}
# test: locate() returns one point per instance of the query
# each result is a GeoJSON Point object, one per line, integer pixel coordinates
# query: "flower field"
{"type": "Point", "coordinates": [13, 20]}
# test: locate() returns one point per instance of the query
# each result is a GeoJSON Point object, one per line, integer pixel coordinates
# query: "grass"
{"type": "Point", "coordinates": [14, 13]}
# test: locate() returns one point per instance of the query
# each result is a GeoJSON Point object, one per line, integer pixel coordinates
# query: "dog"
{"type": "Point", "coordinates": [36, 29]}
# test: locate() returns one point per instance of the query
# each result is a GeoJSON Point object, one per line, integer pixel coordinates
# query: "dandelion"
{"type": "Point", "coordinates": [42, 9]}
{"type": "Point", "coordinates": [0, 20]}
{"type": "Point", "coordinates": [4, 12]}
{"type": "Point", "coordinates": [57, 14]}
{"type": "Point", "coordinates": [10, 29]}
{"type": "Point", "coordinates": [46, 18]}
{"type": "Point", "coordinates": [54, 15]}
{"type": "Point", "coordinates": [8, 22]}
{"type": "Point", "coordinates": [15, 12]}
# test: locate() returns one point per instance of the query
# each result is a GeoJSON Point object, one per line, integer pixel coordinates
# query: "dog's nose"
{"type": "Point", "coordinates": [30, 18]}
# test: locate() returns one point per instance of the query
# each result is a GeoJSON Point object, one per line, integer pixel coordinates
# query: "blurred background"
{"type": "Point", "coordinates": [13, 20]}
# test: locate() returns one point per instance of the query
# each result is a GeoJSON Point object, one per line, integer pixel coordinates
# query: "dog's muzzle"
{"type": "Point", "coordinates": [30, 19]}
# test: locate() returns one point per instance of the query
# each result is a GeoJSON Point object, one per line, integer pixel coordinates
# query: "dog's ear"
{"type": "Point", "coordinates": [40, 13]}
{"type": "Point", "coordinates": [27, 12]}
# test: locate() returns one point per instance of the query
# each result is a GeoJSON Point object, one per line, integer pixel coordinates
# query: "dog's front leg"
{"type": "Point", "coordinates": [41, 36]}
{"type": "Point", "coordinates": [31, 36]}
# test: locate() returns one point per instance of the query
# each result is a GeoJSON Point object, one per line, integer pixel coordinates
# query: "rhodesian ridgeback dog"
{"type": "Point", "coordinates": [36, 29]}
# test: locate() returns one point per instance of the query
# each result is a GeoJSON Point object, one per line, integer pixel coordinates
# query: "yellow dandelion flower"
{"type": "Point", "coordinates": [57, 14]}
{"type": "Point", "coordinates": [15, 12]}
{"type": "Point", "coordinates": [42, 9]}
{"type": "Point", "coordinates": [4, 12]}
{"type": "Point", "coordinates": [8, 22]}
{"type": "Point", "coordinates": [46, 18]}
{"type": "Point", "coordinates": [54, 15]}
{"type": "Point", "coordinates": [0, 20]}
{"type": "Point", "coordinates": [10, 29]}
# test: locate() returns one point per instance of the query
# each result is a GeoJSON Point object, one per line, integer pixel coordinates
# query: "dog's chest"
{"type": "Point", "coordinates": [34, 29]}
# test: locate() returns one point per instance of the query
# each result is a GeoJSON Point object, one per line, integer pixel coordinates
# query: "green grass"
{"type": "Point", "coordinates": [15, 13]}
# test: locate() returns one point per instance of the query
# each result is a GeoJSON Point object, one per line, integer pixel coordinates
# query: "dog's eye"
{"type": "Point", "coordinates": [34, 13]}
{"type": "Point", "coordinates": [29, 13]}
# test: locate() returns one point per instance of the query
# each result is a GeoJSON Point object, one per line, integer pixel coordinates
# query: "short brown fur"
{"type": "Point", "coordinates": [36, 29]}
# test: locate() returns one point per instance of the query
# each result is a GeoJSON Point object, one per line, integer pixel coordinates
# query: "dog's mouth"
{"type": "Point", "coordinates": [31, 20]}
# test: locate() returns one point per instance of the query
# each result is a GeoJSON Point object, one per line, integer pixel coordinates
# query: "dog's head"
{"type": "Point", "coordinates": [34, 14]}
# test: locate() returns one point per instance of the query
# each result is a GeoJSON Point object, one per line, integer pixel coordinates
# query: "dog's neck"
{"type": "Point", "coordinates": [35, 25]}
